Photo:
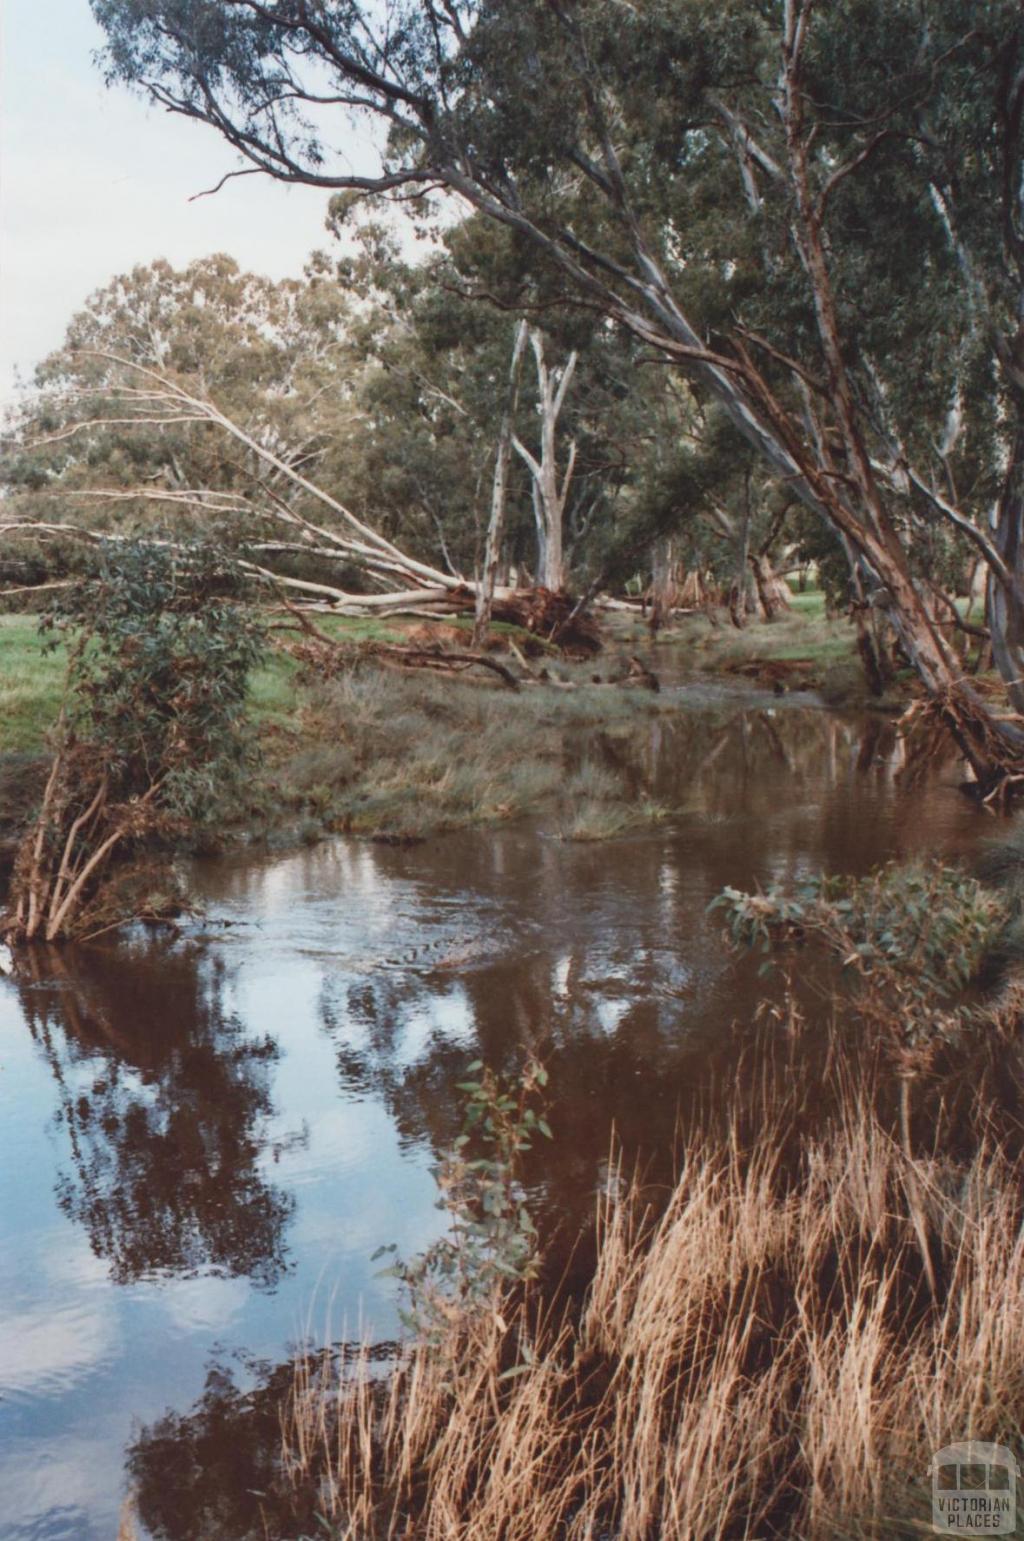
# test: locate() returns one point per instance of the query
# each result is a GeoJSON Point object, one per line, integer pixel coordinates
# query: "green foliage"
{"type": "Point", "coordinates": [491, 1241]}
{"type": "Point", "coordinates": [912, 938]}
{"type": "Point", "coordinates": [159, 656]}
{"type": "Point", "coordinates": [908, 147]}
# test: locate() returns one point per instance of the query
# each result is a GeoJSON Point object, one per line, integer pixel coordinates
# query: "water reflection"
{"type": "Point", "coordinates": [216, 1470]}
{"type": "Point", "coordinates": [237, 1121]}
{"type": "Point", "coordinates": [163, 1100]}
{"type": "Point", "coordinates": [213, 1471]}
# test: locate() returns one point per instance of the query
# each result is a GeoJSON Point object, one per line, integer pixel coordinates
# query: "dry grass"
{"type": "Point", "coordinates": [774, 1351]}
{"type": "Point", "coordinates": [126, 1530]}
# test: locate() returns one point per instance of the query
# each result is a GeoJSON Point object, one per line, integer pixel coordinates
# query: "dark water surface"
{"type": "Point", "coordinates": [204, 1141]}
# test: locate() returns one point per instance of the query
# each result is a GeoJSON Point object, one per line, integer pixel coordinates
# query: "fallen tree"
{"type": "Point", "coordinates": [570, 179]}
{"type": "Point", "coordinates": [141, 396]}
{"type": "Point", "coordinates": [326, 656]}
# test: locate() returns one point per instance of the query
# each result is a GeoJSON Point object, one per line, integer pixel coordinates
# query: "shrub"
{"type": "Point", "coordinates": [911, 938]}
{"type": "Point", "coordinates": [150, 738]}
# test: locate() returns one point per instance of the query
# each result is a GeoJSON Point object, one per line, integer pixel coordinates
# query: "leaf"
{"type": "Point", "coordinates": [517, 1369]}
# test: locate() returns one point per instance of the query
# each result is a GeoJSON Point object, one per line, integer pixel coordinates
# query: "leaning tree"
{"type": "Point", "coordinates": [723, 183]}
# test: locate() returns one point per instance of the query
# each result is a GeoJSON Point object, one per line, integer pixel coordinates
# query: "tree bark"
{"type": "Point", "coordinates": [499, 489]}
{"type": "Point", "coordinates": [549, 487]}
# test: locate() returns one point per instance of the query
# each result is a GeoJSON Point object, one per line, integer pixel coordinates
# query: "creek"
{"type": "Point", "coordinates": [206, 1137]}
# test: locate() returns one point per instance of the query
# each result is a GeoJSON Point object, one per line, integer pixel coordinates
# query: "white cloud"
{"type": "Point", "coordinates": [55, 1333]}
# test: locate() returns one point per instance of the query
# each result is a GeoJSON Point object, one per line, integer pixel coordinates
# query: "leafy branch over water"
{"type": "Point", "coordinates": [491, 1241]}
{"type": "Point", "coordinates": [912, 938]}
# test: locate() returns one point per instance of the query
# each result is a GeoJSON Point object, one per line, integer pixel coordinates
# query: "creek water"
{"type": "Point", "coordinates": [205, 1139]}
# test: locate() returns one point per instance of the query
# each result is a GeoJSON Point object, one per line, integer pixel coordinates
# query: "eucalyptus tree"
{"type": "Point", "coordinates": [814, 211]}
{"type": "Point", "coordinates": [480, 389]}
{"type": "Point", "coordinates": [275, 356]}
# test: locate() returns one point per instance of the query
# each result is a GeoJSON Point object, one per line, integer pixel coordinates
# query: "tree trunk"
{"type": "Point", "coordinates": [663, 593]}
{"type": "Point", "coordinates": [1005, 610]}
{"type": "Point", "coordinates": [496, 524]}
{"type": "Point", "coordinates": [738, 591]}
{"type": "Point", "coordinates": [772, 591]}
{"type": "Point", "coordinates": [549, 488]}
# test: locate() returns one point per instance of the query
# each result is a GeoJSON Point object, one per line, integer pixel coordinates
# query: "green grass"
{"type": "Point", "coordinates": [358, 628]}
{"type": "Point", "coordinates": [811, 603]}
{"type": "Point", "coordinates": [802, 633]}
{"type": "Point", "coordinates": [272, 692]}
{"type": "Point", "coordinates": [31, 685]}
{"type": "Point", "coordinates": [32, 678]}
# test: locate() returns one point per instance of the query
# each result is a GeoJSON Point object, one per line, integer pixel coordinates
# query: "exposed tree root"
{"type": "Point", "coordinates": [993, 747]}
{"type": "Point", "coordinates": [63, 859]}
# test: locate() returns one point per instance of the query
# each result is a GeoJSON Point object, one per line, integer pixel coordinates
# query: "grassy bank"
{"type": "Point", "coordinates": [31, 677]}
{"type": "Point", "coordinates": [31, 685]}
{"type": "Point", "coordinates": [400, 756]}
{"type": "Point", "coordinates": [379, 752]}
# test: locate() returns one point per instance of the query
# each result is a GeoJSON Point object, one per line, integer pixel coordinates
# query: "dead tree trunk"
{"type": "Point", "coordinates": [548, 487]}
{"type": "Point", "coordinates": [496, 524]}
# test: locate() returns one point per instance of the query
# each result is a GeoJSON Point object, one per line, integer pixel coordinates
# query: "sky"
{"type": "Point", "coordinates": [94, 180]}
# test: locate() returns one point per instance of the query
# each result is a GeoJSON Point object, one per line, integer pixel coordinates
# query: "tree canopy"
{"type": "Point", "coordinates": [811, 215]}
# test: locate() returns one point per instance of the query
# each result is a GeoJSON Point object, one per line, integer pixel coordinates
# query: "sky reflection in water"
{"type": "Point", "coordinates": [204, 1142]}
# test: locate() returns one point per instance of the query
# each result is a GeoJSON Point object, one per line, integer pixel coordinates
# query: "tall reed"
{"type": "Point", "coordinates": [774, 1349]}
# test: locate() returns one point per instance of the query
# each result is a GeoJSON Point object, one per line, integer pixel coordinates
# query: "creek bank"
{"type": "Point", "coordinates": [400, 757]}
